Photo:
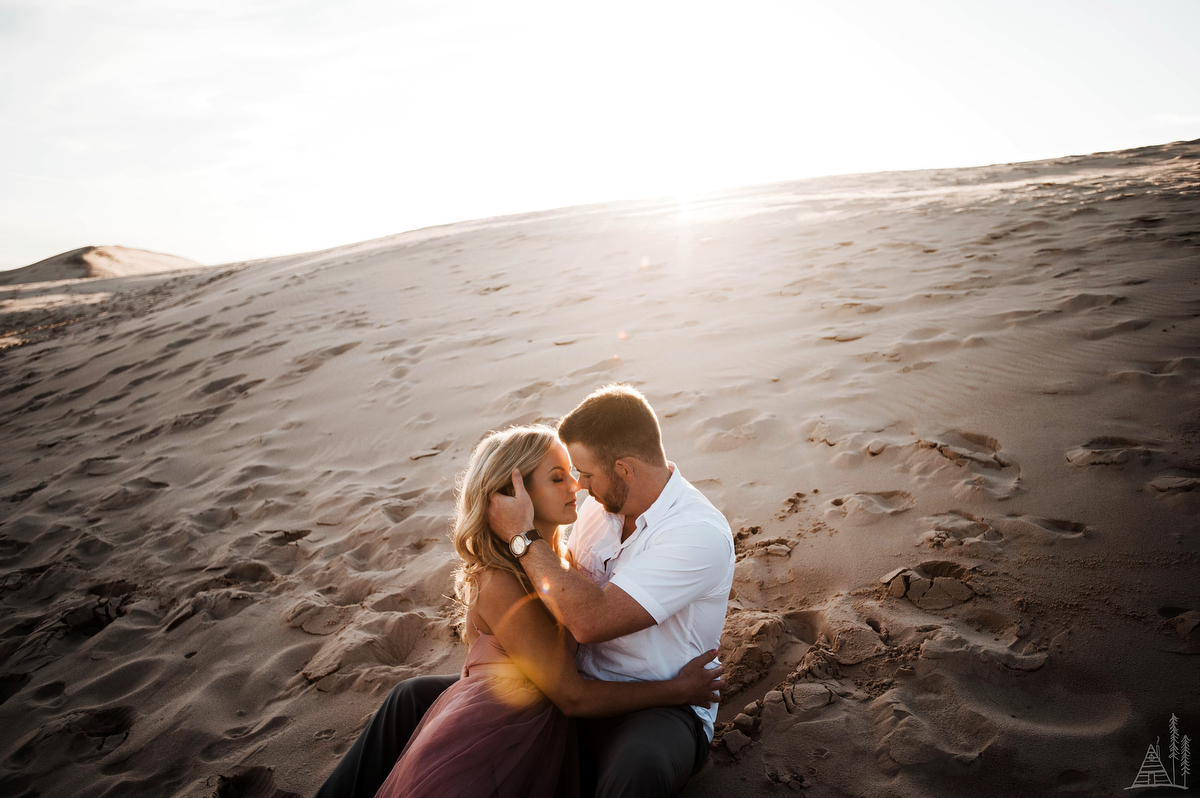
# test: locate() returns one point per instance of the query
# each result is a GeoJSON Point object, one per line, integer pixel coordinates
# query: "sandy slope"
{"type": "Point", "coordinates": [227, 492]}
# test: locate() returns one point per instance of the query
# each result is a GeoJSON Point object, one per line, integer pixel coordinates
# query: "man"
{"type": "Point", "coordinates": [653, 566]}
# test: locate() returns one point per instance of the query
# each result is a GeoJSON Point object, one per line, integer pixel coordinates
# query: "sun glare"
{"type": "Point", "coordinates": [335, 129]}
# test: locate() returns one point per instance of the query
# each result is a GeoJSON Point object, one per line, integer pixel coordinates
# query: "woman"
{"type": "Point", "coordinates": [502, 729]}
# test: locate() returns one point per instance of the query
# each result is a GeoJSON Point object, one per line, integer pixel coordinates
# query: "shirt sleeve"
{"type": "Point", "coordinates": [683, 565]}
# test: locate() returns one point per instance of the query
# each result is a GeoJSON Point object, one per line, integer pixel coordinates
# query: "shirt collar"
{"type": "Point", "coordinates": [665, 501]}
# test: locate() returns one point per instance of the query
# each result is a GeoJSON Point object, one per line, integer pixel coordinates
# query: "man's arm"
{"type": "Point", "coordinates": [592, 614]}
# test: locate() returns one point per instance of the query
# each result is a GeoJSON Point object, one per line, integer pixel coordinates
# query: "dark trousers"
{"type": "Point", "coordinates": [648, 753]}
{"type": "Point", "coordinates": [367, 764]}
{"type": "Point", "coordinates": [652, 752]}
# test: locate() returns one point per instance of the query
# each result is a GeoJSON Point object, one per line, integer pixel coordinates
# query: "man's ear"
{"type": "Point", "coordinates": [625, 468]}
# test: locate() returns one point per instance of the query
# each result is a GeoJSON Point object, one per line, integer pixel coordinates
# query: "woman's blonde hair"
{"type": "Point", "coordinates": [488, 471]}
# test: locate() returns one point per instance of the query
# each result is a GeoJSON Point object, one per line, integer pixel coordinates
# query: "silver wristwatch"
{"type": "Point", "coordinates": [520, 543]}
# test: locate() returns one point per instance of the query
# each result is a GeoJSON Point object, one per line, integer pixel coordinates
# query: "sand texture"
{"type": "Point", "coordinates": [951, 415]}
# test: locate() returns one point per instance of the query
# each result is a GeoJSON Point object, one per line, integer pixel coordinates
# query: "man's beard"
{"type": "Point", "coordinates": [615, 499]}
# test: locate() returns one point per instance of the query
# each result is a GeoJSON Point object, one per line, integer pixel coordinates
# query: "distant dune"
{"type": "Point", "coordinates": [93, 262]}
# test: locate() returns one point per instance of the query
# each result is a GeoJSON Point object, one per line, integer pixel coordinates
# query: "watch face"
{"type": "Point", "coordinates": [517, 545]}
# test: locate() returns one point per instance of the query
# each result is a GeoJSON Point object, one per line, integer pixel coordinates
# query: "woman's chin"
{"type": "Point", "coordinates": [560, 519]}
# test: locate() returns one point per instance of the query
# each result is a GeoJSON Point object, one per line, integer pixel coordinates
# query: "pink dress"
{"type": "Point", "coordinates": [492, 733]}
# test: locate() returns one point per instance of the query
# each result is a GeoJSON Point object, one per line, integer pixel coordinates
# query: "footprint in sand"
{"type": "Point", "coordinates": [860, 509]}
{"type": "Point", "coordinates": [250, 572]}
{"type": "Point", "coordinates": [527, 397]}
{"type": "Point", "coordinates": [1088, 302]}
{"type": "Point", "coordinates": [391, 602]}
{"type": "Point", "coordinates": [920, 343]}
{"type": "Point", "coordinates": [11, 550]}
{"type": "Point", "coordinates": [226, 388]}
{"type": "Point", "coordinates": [180, 343]}
{"type": "Point", "coordinates": [843, 336]}
{"type": "Point", "coordinates": [1185, 624]}
{"type": "Point", "coordinates": [957, 528]}
{"type": "Point", "coordinates": [737, 429]}
{"type": "Point", "coordinates": [132, 494]}
{"type": "Point", "coordinates": [316, 617]}
{"type": "Point", "coordinates": [388, 639]}
{"type": "Point", "coordinates": [1170, 485]}
{"type": "Point", "coordinates": [932, 585]}
{"type": "Point", "coordinates": [183, 423]}
{"type": "Point", "coordinates": [134, 383]}
{"type": "Point", "coordinates": [971, 459]}
{"type": "Point", "coordinates": [933, 720]}
{"type": "Point", "coordinates": [253, 782]}
{"type": "Point", "coordinates": [49, 695]}
{"type": "Point", "coordinates": [1107, 450]}
{"type": "Point", "coordinates": [599, 367]}
{"type": "Point", "coordinates": [1181, 373]}
{"type": "Point", "coordinates": [238, 738]}
{"type": "Point", "coordinates": [211, 605]}
{"type": "Point", "coordinates": [1041, 531]}
{"type": "Point", "coordinates": [384, 346]}
{"type": "Point", "coordinates": [242, 329]}
{"type": "Point", "coordinates": [24, 493]}
{"type": "Point", "coordinates": [75, 394]}
{"type": "Point", "coordinates": [918, 366]}
{"type": "Point", "coordinates": [313, 360]}
{"type": "Point", "coordinates": [217, 385]}
{"type": "Point", "coordinates": [262, 349]}
{"type": "Point", "coordinates": [1020, 318]}
{"type": "Point", "coordinates": [1129, 325]}
{"type": "Point", "coordinates": [985, 474]}
{"type": "Point", "coordinates": [87, 735]}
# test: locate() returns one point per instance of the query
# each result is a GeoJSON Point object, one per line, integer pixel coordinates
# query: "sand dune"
{"type": "Point", "coordinates": [952, 415]}
{"type": "Point", "coordinates": [92, 262]}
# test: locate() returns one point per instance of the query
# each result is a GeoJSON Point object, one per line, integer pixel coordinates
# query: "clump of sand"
{"type": "Point", "coordinates": [952, 415]}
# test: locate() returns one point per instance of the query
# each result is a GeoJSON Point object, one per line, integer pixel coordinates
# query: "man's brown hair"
{"type": "Point", "coordinates": [615, 421]}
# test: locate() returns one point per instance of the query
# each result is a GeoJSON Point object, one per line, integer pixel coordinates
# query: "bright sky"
{"type": "Point", "coordinates": [223, 130]}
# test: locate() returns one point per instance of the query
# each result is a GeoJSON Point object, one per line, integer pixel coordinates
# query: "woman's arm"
{"type": "Point", "coordinates": [539, 647]}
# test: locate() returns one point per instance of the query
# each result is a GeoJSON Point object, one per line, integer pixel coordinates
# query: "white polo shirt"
{"type": "Point", "coordinates": [677, 564]}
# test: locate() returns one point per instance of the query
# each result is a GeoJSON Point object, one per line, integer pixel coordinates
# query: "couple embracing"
{"type": "Point", "coordinates": [591, 661]}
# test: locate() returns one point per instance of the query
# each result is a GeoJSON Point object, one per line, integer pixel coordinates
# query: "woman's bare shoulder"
{"type": "Point", "coordinates": [499, 590]}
